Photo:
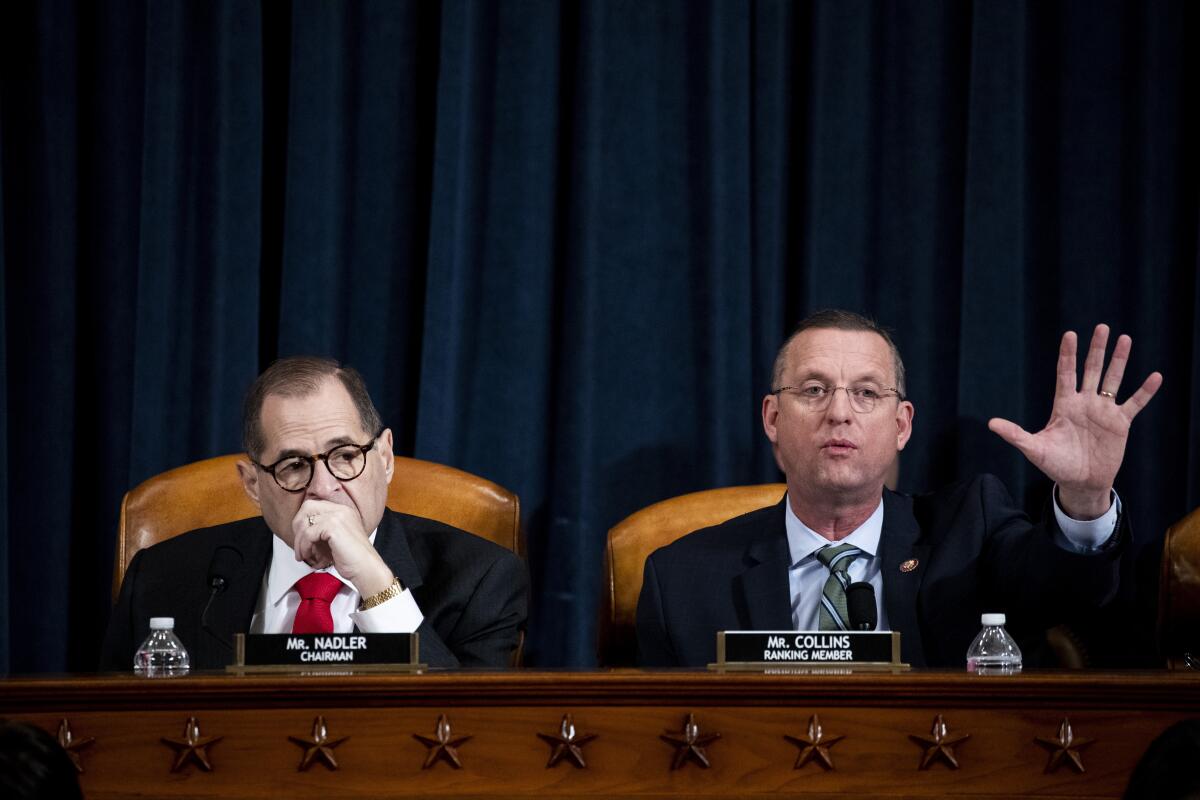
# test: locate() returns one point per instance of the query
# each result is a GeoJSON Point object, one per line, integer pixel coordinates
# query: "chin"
{"type": "Point", "coordinates": [842, 483]}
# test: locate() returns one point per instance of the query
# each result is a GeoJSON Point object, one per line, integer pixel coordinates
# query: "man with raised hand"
{"type": "Point", "coordinates": [837, 416]}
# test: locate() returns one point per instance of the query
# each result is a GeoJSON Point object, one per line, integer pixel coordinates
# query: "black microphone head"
{"type": "Point", "coordinates": [860, 603]}
{"type": "Point", "coordinates": [225, 562]}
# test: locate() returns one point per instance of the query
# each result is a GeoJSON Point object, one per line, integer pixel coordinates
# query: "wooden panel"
{"type": "Point", "coordinates": [504, 712]}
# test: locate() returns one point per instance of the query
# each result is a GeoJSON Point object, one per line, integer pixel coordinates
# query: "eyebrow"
{"type": "Point", "coordinates": [817, 375]}
{"type": "Point", "coordinates": [336, 441]}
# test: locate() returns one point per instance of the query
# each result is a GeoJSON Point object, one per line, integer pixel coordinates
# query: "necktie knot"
{"type": "Point", "coordinates": [837, 558]}
{"type": "Point", "coordinates": [318, 586]}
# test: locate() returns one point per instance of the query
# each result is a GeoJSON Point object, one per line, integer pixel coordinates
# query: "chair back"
{"type": "Point", "coordinates": [209, 492]}
{"type": "Point", "coordinates": [634, 538]}
{"type": "Point", "coordinates": [1179, 592]}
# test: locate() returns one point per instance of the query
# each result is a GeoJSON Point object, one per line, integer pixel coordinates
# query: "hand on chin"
{"type": "Point", "coordinates": [328, 532]}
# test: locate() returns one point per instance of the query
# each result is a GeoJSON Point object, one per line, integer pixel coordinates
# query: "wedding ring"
{"type": "Point", "coordinates": [312, 520]}
{"type": "Point", "coordinates": [1103, 393]}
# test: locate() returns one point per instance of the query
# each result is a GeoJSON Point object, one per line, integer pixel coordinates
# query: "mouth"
{"type": "Point", "coordinates": [838, 447]}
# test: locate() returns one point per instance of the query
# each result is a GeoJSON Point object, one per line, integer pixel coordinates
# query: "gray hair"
{"type": "Point", "coordinates": [301, 376]}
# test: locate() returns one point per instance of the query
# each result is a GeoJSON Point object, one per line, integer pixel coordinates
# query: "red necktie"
{"type": "Point", "coordinates": [317, 590]}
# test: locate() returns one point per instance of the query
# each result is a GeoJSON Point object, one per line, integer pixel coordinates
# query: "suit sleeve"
{"type": "Point", "coordinates": [116, 653]}
{"type": "Point", "coordinates": [654, 649]}
{"type": "Point", "coordinates": [1037, 576]}
{"type": "Point", "coordinates": [492, 622]}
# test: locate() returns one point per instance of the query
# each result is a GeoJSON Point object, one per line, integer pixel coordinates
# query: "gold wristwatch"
{"type": "Point", "coordinates": [391, 591]}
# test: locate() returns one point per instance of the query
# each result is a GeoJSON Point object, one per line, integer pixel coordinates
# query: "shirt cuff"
{"type": "Point", "coordinates": [1080, 536]}
{"type": "Point", "coordinates": [398, 615]}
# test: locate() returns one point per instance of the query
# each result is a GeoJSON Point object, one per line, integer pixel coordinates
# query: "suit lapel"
{"type": "Point", "coordinates": [233, 609]}
{"type": "Point", "coordinates": [392, 545]}
{"type": "Point", "coordinates": [764, 585]}
{"type": "Point", "coordinates": [899, 547]}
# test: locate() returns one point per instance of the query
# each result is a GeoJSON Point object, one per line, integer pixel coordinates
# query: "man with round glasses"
{"type": "Point", "coordinates": [836, 417]}
{"type": "Point", "coordinates": [327, 555]}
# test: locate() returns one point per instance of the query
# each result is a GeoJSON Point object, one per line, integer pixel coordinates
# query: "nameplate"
{"type": "Point", "coordinates": [290, 651]}
{"type": "Point", "coordinates": [758, 649]}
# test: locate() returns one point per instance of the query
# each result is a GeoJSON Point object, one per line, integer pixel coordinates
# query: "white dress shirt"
{"type": "Point", "coordinates": [278, 600]}
{"type": "Point", "coordinates": [807, 575]}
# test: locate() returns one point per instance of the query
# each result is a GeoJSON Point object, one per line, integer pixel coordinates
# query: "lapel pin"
{"type": "Point", "coordinates": [909, 566]}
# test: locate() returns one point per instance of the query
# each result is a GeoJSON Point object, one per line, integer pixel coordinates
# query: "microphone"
{"type": "Point", "coordinates": [860, 603]}
{"type": "Point", "coordinates": [225, 563]}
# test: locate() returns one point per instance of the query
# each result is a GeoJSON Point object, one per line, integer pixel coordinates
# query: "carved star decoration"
{"type": "Point", "coordinates": [444, 746]}
{"type": "Point", "coordinates": [689, 743]}
{"type": "Point", "coordinates": [1064, 749]}
{"type": "Point", "coordinates": [567, 743]}
{"type": "Point", "coordinates": [318, 746]}
{"type": "Point", "coordinates": [192, 747]}
{"type": "Point", "coordinates": [68, 742]}
{"type": "Point", "coordinates": [815, 746]}
{"type": "Point", "coordinates": [939, 744]}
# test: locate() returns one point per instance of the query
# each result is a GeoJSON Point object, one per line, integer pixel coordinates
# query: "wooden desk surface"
{"type": "Point", "coordinates": [871, 731]}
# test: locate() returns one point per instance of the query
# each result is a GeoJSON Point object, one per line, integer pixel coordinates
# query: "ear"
{"type": "Point", "coordinates": [384, 445]}
{"type": "Point", "coordinates": [904, 421]}
{"type": "Point", "coordinates": [249, 475]}
{"type": "Point", "coordinates": [770, 412]}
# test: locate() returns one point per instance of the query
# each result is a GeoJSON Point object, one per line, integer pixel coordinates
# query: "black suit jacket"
{"type": "Point", "coordinates": [975, 553]}
{"type": "Point", "coordinates": [472, 592]}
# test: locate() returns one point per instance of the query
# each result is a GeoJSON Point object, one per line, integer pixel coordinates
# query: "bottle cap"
{"type": "Point", "coordinates": [162, 623]}
{"type": "Point", "coordinates": [993, 619]}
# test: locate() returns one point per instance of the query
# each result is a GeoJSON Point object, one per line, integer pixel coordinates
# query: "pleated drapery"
{"type": "Point", "coordinates": [562, 242]}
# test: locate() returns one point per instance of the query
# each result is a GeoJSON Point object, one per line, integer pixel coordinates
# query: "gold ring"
{"type": "Point", "coordinates": [1103, 393]}
{"type": "Point", "coordinates": [312, 520]}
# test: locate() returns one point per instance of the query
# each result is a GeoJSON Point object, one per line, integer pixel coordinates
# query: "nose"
{"type": "Point", "coordinates": [323, 484]}
{"type": "Point", "coordinates": [839, 409]}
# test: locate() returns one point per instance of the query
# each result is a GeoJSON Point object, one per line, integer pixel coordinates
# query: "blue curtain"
{"type": "Point", "coordinates": [562, 241]}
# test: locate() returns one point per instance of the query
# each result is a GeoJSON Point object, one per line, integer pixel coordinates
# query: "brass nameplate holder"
{"type": "Point", "coordinates": [326, 652]}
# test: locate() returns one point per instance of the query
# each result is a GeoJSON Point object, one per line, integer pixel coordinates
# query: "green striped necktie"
{"type": "Point", "coordinates": [836, 558]}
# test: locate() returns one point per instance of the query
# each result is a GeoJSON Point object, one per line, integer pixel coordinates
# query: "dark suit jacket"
{"type": "Point", "coordinates": [471, 591]}
{"type": "Point", "coordinates": [975, 553]}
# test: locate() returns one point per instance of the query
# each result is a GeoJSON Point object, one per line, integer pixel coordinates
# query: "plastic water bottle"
{"type": "Point", "coordinates": [162, 653]}
{"type": "Point", "coordinates": [993, 652]}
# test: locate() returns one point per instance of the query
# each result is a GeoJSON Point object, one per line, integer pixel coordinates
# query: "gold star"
{"type": "Point", "coordinates": [939, 744]}
{"type": "Point", "coordinates": [319, 745]}
{"type": "Point", "coordinates": [689, 743]}
{"type": "Point", "coordinates": [815, 746]}
{"type": "Point", "coordinates": [1064, 749]}
{"type": "Point", "coordinates": [444, 746]}
{"type": "Point", "coordinates": [68, 742]}
{"type": "Point", "coordinates": [192, 747]}
{"type": "Point", "coordinates": [567, 743]}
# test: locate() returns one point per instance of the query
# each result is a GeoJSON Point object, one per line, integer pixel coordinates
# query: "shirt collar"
{"type": "Point", "coordinates": [285, 570]}
{"type": "Point", "coordinates": [803, 541]}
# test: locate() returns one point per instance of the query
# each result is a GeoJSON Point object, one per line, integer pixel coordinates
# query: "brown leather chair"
{"type": "Point", "coordinates": [210, 493]}
{"type": "Point", "coordinates": [1179, 592]}
{"type": "Point", "coordinates": [634, 538]}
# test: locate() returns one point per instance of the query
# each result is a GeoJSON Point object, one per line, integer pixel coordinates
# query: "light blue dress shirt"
{"type": "Point", "coordinates": [807, 575]}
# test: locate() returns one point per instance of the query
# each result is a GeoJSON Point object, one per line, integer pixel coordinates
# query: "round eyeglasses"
{"type": "Point", "coordinates": [344, 462]}
{"type": "Point", "coordinates": [817, 396]}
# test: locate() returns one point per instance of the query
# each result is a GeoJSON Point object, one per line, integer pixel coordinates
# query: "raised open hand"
{"type": "Point", "coordinates": [1083, 444]}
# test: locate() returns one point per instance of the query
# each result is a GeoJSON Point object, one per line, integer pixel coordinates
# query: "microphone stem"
{"type": "Point", "coordinates": [216, 589]}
